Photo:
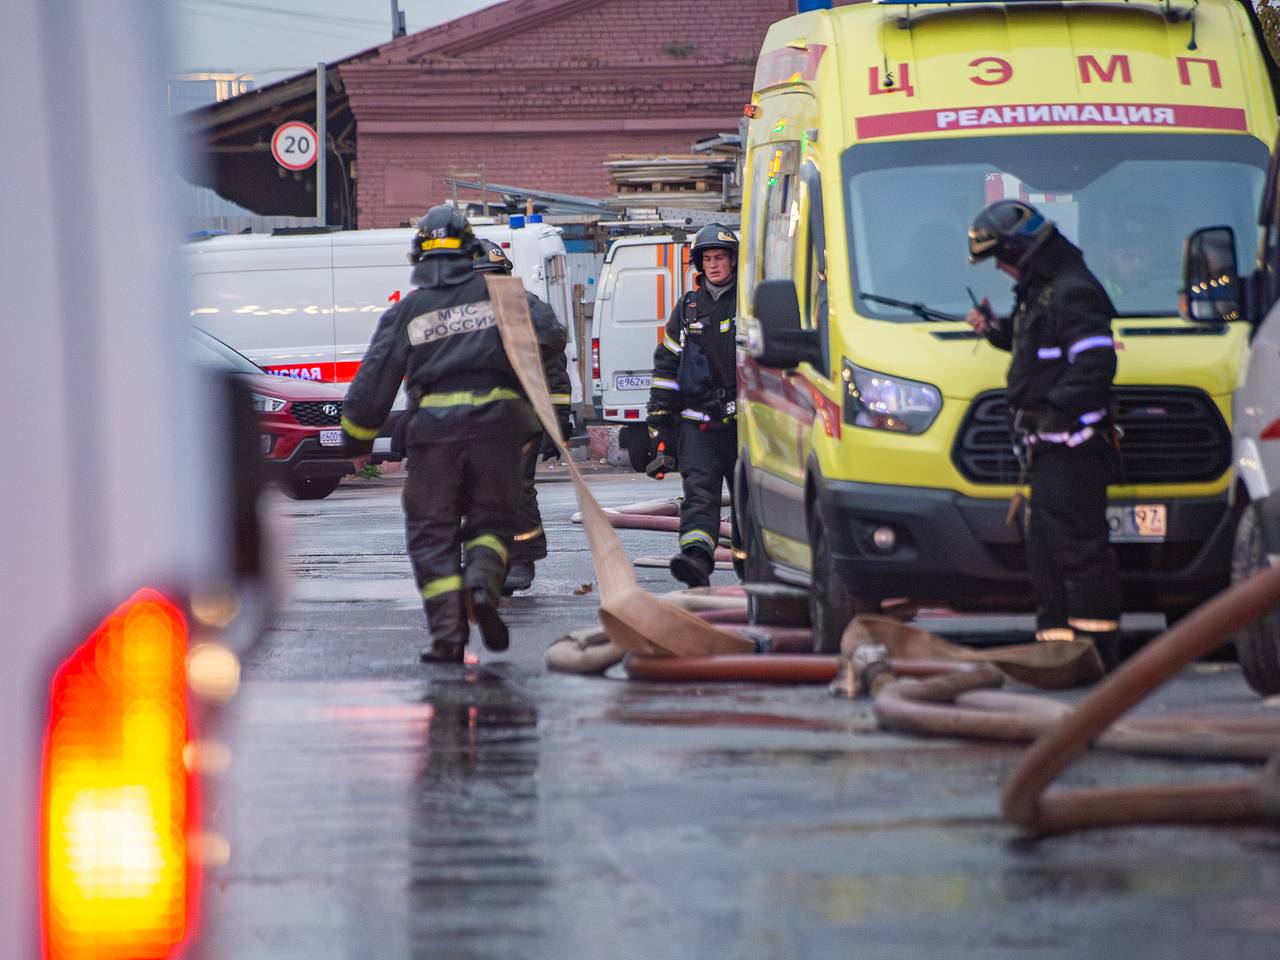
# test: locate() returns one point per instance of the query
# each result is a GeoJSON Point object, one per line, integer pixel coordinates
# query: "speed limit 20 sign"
{"type": "Point", "coordinates": [294, 145]}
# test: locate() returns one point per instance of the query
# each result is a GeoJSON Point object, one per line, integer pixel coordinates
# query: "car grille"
{"type": "Point", "coordinates": [1171, 435]}
{"type": "Point", "coordinates": [313, 413]}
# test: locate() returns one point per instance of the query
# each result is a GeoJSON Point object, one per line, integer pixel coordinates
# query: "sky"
{"type": "Point", "coordinates": [276, 38]}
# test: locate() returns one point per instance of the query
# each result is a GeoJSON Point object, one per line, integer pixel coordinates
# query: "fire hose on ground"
{"type": "Point", "coordinates": [951, 694]}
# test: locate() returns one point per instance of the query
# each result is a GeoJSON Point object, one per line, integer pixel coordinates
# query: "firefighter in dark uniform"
{"type": "Point", "coordinates": [693, 399]}
{"type": "Point", "coordinates": [469, 423]}
{"type": "Point", "coordinates": [530, 543]}
{"type": "Point", "coordinates": [1059, 382]}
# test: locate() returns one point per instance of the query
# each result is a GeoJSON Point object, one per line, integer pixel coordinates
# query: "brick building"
{"type": "Point", "coordinates": [540, 92]}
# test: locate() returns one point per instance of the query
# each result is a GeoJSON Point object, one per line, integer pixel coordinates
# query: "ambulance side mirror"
{"type": "Point", "coordinates": [1210, 280]}
{"type": "Point", "coordinates": [776, 338]}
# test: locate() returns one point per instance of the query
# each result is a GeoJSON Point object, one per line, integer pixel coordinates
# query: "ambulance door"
{"type": "Point", "coordinates": [638, 293]}
{"type": "Point", "coordinates": [368, 277]}
{"type": "Point", "coordinates": [271, 301]}
{"type": "Point", "coordinates": [776, 403]}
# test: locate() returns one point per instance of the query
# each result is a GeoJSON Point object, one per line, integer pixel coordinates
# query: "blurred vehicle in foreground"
{"type": "Point", "coordinates": [1215, 294]}
{"type": "Point", "coordinates": [132, 561]}
{"type": "Point", "coordinates": [300, 420]}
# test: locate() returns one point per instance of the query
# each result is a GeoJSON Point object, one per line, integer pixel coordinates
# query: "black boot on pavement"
{"type": "Point", "coordinates": [482, 608]}
{"type": "Point", "coordinates": [443, 651]}
{"type": "Point", "coordinates": [519, 577]}
{"type": "Point", "coordinates": [693, 567]}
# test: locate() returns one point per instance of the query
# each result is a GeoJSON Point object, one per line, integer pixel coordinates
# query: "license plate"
{"type": "Point", "coordinates": [330, 438]}
{"type": "Point", "coordinates": [632, 381]}
{"type": "Point", "coordinates": [1138, 523]}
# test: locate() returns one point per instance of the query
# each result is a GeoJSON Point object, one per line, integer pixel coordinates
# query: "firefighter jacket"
{"type": "Point", "coordinates": [1063, 353]}
{"type": "Point", "coordinates": [695, 366]}
{"type": "Point", "coordinates": [442, 340]}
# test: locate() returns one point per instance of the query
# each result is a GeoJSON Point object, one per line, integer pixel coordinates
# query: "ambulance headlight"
{"type": "Point", "coordinates": [264, 404]}
{"type": "Point", "coordinates": [881, 402]}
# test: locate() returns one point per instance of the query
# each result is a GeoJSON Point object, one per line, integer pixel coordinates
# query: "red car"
{"type": "Point", "coordinates": [301, 423]}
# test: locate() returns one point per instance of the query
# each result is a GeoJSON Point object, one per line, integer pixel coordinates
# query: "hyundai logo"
{"type": "Point", "coordinates": [330, 409]}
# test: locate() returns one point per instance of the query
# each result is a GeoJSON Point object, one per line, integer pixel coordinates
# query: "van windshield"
{"type": "Point", "coordinates": [1127, 200]}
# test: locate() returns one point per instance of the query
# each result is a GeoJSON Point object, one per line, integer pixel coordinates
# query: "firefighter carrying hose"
{"type": "Point", "coordinates": [693, 400]}
{"type": "Point", "coordinates": [1060, 401]}
{"type": "Point", "coordinates": [468, 424]}
{"type": "Point", "coordinates": [530, 542]}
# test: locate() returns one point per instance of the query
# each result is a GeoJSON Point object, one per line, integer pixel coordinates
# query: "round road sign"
{"type": "Point", "coordinates": [294, 145]}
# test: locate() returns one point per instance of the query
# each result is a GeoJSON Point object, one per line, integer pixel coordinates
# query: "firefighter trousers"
{"type": "Point", "coordinates": [706, 459]}
{"type": "Point", "coordinates": [530, 540]}
{"type": "Point", "coordinates": [460, 502]}
{"type": "Point", "coordinates": [1069, 555]}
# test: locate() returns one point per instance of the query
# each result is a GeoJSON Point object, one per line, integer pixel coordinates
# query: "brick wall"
{"type": "Point", "coordinates": [400, 176]}
{"type": "Point", "coordinates": [543, 91]}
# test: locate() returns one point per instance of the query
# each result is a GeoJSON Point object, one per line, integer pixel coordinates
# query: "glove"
{"type": "Point", "coordinates": [548, 450]}
{"type": "Point", "coordinates": [663, 450]}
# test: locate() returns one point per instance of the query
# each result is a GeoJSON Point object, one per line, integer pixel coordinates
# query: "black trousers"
{"type": "Point", "coordinates": [460, 517]}
{"type": "Point", "coordinates": [706, 459]}
{"type": "Point", "coordinates": [530, 539]}
{"type": "Point", "coordinates": [1069, 555]}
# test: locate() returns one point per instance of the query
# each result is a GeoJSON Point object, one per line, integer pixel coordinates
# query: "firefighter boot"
{"type": "Point", "coordinates": [482, 579]}
{"type": "Point", "coordinates": [446, 619]}
{"type": "Point", "coordinates": [519, 577]}
{"type": "Point", "coordinates": [1107, 643]}
{"type": "Point", "coordinates": [692, 566]}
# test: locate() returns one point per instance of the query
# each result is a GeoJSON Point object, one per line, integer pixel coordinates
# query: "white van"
{"type": "Point", "coordinates": [305, 304]}
{"type": "Point", "coordinates": [642, 279]}
{"type": "Point", "coordinates": [128, 556]}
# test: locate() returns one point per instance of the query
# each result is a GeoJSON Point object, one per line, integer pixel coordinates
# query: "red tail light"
{"type": "Point", "coordinates": [1272, 432]}
{"type": "Point", "coordinates": [117, 802]}
{"type": "Point", "coordinates": [595, 358]}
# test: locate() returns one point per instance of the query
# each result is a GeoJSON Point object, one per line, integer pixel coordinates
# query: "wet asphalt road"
{"type": "Point", "coordinates": [379, 808]}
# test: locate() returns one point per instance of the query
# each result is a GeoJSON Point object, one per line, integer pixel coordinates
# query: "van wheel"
{"type": "Point", "coordinates": [636, 440]}
{"type": "Point", "coordinates": [1257, 645]}
{"type": "Point", "coordinates": [316, 488]}
{"type": "Point", "coordinates": [831, 603]}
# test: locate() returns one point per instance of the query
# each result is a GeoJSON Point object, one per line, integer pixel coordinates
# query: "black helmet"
{"type": "Point", "coordinates": [490, 258]}
{"type": "Point", "coordinates": [711, 236]}
{"type": "Point", "coordinates": [444, 230]}
{"type": "Point", "coordinates": [1008, 230]}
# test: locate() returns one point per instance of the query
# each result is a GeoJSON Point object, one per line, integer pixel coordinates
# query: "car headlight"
{"type": "Point", "coordinates": [881, 402]}
{"type": "Point", "coordinates": [264, 404]}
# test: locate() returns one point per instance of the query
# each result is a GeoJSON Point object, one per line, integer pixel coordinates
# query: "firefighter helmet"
{"type": "Point", "coordinates": [711, 236]}
{"type": "Point", "coordinates": [1008, 230]}
{"type": "Point", "coordinates": [491, 258]}
{"type": "Point", "coordinates": [444, 230]}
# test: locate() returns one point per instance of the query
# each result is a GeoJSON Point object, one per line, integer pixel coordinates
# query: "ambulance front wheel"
{"type": "Point", "coordinates": [831, 603]}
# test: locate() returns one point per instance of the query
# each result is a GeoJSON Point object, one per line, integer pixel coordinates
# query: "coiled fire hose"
{"type": "Point", "coordinates": [960, 703]}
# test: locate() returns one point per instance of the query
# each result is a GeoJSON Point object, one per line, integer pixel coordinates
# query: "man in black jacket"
{"type": "Point", "coordinates": [1060, 399]}
{"type": "Point", "coordinates": [530, 543]}
{"type": "Point", "coordinates": [469, 422]}
{"type": "Point", "coordinates": [693, 399]}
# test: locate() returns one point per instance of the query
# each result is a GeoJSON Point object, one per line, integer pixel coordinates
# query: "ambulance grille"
{"type": "Point", "coordinates": [1171, 435]}
{"type": "Point", "coordinates": [317, 413]}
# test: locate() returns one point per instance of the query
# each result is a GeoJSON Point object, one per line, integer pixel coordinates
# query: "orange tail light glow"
{"type": "Point", "coordinates": [118, 804]}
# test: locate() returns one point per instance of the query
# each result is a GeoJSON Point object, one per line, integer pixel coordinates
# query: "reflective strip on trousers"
{"type": "Point", "coordinates": [528, 535]}
{"type": "Point", "coordinates": [1055, 634]}
{"type": "Point", "coordinates": [1094, 626]}
{"type": "Point", "coordinates": [359, 432]}
{"type": "Point", "coordinates": [434, 588]}
{"type": "Point", "coordinates": [698, 536]}
{"type": "Point", "coordinates": [561, 399]}
{"type": "Point", "coordinates": [468, 398]}
{"type": "Point", "coordinates": [489, 542]}
{"type": "Point", "coordinates": [661, 383]}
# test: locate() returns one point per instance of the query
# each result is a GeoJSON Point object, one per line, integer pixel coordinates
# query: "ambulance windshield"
{"type": "Point", "coordinates": [1127, 200]}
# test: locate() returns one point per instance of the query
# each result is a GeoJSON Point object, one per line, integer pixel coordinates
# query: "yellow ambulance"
{"type": "Point", "coordinates": [876, 464]}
